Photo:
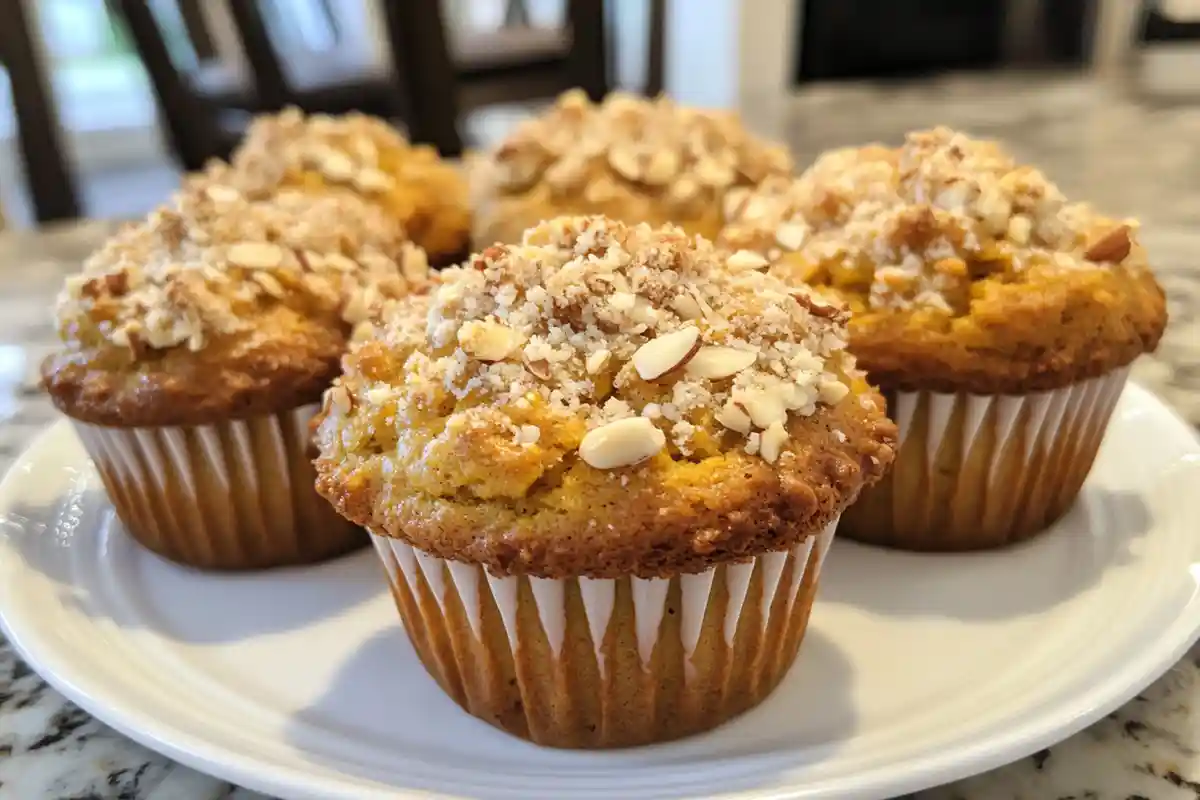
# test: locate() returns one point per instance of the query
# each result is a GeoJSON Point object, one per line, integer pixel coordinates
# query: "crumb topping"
{"type": "Point", "coordinates": [612, 340]}
{"type": "Point", "coordinates": [916, 226]}
{"type": "Point", "coordinates": [213, 261]}
{"type": "Point", "coordinates": [354, 153]}
{"type": "Point", "coordinates": [688, 156]}
{"type": "Point", "coordinates": [354, 150]}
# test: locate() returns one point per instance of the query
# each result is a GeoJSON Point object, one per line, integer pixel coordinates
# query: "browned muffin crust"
{"type": "Point", "coordinates": [603, 400]}
{"type": "Point", "coordinates": [627, 158]}
{"type": "Point", "coordinates": [743, 507]}
{"type": "Point", "coordinates": [219, 307]}
{"type": "Point", "coordinates": [965, 271]}
{"type": "Point", "coordinates": [232, 378]}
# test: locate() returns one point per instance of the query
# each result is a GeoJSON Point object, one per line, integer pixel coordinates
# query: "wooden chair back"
{"type": "Point", "coordinates": [190, 122]}
{"type": "Point", "coordinates": [48, 178]}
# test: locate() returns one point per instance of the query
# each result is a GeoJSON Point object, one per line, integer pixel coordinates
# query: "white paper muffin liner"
{"type": "Point", "coordinates": [231, 495]}
{"type": "Point", "coordinates": [978, 471]}
{"type": "Point", "coordinates": [582, 662]}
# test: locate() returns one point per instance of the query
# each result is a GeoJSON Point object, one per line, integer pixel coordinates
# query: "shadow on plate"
{"type": "Point", "coordinates": [381, 709]}
{"type": "Point", "coordinates": [76, 541]}
{"type": "Point", "coordinates": [1028, 577]}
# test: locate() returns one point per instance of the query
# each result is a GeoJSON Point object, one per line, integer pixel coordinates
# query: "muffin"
{"type": "Point", "coordinates": [998, 319]}
{"type": "Point", "coordinates": [362, 154]}
{"type": "Point", "coordinates": [602, 468]}
{"type": "Point", "coordinates": [629, 158]}
{"type": "Point", "coordinates": [196, 346]}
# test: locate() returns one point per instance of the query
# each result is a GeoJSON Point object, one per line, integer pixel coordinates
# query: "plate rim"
{"type": "Point", "coordinates": [193, 750]}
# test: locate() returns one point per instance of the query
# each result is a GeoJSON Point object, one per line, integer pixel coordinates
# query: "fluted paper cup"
{"type": "Point", "coordinates": [232, 495]}
{"type": "Point", "coordinates": [981, 471]}
{"type": "Point", "coordinates": [591, 663]}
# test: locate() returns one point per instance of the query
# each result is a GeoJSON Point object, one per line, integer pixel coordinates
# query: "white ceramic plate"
{"type": "Point", "coordinates": [916, 670]}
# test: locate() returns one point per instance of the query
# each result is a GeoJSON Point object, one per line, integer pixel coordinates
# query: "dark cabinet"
{"type": "Point", "coordinates": [897, 38]}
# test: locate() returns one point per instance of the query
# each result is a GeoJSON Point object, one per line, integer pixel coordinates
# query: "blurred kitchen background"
{"type": "Point", "coordinates": [107, 100]}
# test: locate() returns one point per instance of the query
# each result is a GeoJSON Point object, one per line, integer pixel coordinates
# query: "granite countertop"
{"type": "Point", "coordinates": [1128, 156]}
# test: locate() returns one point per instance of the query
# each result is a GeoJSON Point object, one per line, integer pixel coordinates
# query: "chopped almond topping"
{"type": "Point", "coordinates": [686, 154]}
{"type": "Point", "coordinates": [583, 321]}
{"type": "Point", "coordinates": [914, 226]}
{"type": "Point", "coordinates": [205, 264]}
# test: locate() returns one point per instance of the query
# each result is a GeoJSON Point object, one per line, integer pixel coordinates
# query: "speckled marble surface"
{"type": "Point", "coordinates": [1130, 156]}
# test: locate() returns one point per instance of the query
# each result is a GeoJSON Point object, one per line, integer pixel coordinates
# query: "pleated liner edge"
{"type": "Point", "coordinates": [597, 663]}
{"type": "Point", "coordinates": [982, 471]}
{"type": "Point", "coordinates": [233, 495]}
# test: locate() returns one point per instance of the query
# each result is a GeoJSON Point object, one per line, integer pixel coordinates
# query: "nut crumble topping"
{"type": "Point", "coordinates": [688, 156]}
{"type": "Point", "coordinates": [354, 151]}
{"type": "Point", "coordinates": [579, 334]}
{"type": "Point", "coordinates": [213, 260]}
{"type": "Point", "coordinates": [915, 226]}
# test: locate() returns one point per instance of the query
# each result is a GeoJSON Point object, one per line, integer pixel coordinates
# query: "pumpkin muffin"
{"type": "Point", "coordinates": [629, 158]}
{"type": "Point", "coordinates": [196, 346]}
{"type": "Point", "coordinates": [998, 319]}
{"type": "Point", "coordinates": [362, 154]}
{"type": "Point", "coordinates": [602, 468]}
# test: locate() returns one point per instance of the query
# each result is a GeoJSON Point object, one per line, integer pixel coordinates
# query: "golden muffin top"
{"type": "Point", "coordinates": [686, 155]}
{"type": "Point", "coordinates": [216, 278]}
{"type": "Point", "coordinates": [593, 361]}
{"type": "Point", "coordinates": [355, 152]}
{"type": "Point", "coordinates": [950, 245]}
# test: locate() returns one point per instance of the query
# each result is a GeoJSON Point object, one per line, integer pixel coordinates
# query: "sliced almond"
{"type": "Point", "coordinates": [518, 166]}
{"type": "Point", "coordinates": [772, 442]}
{"type": "Point", "coordinates": [540, 368]}
{"type": "Point", "coordinates": [825, 308]}
{"type": "Point", "coordinates": [365, 149]}
{"type": "Point", "coordinates": [764, 405]}
{"type": "Point", "coordinates": [1113, 247]}
{"type": "Point", "coordinates": [746, 260]}
{"type": "Point", "coordinates": [601, 190]}
{"type": "Point", "coordinates": [684, 191]}
{"type": "Point", "coordinates": [791, 235]}
{"type": "Point", "coordinates": [733, 417]}
{"type": "Point", "coordinates": [659, 356]}
{"type": "Point", "coordinates": [715, 362]}
{"type": "Point", "coordinates": [832, 392]}
{"type": "Point", "coordinates": [625, 163]}
{"type": "Point", "coordinates": [573, 100]}
{"type": "Point", "coordinates": [372, 181]}
{"type": "Point", "coordinates": [487, 340]}
{"type": "Point", "coordinates": [268, 283]}
{"type": "Point", "coordinates": [336, 166]}
{"type": "Point", "coordinates": [596, 361]}
{"type": "Point", "coordinates": [661, 168]}
{"type": "Point", "coordinates": [414, 263]}
{"type": "Point", "coordinates": [711, 172]}
{"type": "Point", "coordinates": [339, 399]}
{"type": "Point", "coordinates": [735, 202]}
{"type": "Point", "coordinates": [255, 255]}
{"type": "Point", "coordinates": [340, 262]}
{"type": "Point", "coordinates": [1019, 229]}
{"type": "Point", "coordinates": [622, 443]}
{"type": "Point", "coordinates": [356, 309]}
{"type": "Point", "coordinates": [686, 306]}
{"type": "Point", "coordinates": [222, 194]}
{"type": "Point", "coordinates": [566, 173]}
